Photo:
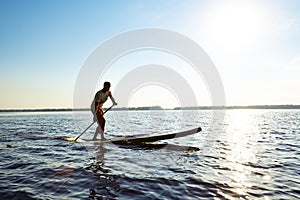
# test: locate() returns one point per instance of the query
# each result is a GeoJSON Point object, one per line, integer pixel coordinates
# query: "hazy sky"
{"type": "Point", "coordinates": [255, 46]}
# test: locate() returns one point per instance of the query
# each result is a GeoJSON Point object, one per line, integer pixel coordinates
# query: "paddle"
{"type": "Point", "coordinates": [91, 125]}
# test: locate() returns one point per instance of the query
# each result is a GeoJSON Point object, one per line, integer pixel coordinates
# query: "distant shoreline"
{"type": "Point", "coordinates": [159, 108]}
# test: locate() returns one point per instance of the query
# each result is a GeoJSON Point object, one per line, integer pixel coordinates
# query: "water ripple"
{"type": "Point", "coordinates": [254, 155]}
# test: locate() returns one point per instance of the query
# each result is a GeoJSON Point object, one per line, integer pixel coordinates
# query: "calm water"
{"type": "Point", "coordinates": [251, 154]}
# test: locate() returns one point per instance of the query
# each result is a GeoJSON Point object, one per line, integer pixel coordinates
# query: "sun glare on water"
{"type": "Point", "coordinates": [242, 134]}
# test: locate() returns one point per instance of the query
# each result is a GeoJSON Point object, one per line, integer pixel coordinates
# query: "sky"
{"type": "Point", "coordinates": [254, 45]}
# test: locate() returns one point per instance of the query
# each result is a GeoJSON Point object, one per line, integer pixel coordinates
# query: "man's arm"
{"type": "Point", "coordinates": [112, 99]}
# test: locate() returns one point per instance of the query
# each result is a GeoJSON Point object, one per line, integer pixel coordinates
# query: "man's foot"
{"type": "Point", "coordinates": [94, 138]}
{"type": "Point", "coordinates": [103, 139]}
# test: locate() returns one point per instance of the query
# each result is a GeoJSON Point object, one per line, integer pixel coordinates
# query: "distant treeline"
{"type": "Point", "coordinates": [239, 107]}
{"type": "Point", "coordinates": [160, 108]}
{"type": "Point", "coordinates": [38, 110]}
{"type": "Point", "coordinates": [140, 108]}
{"type": "Point", "coordinates": [79, 109]}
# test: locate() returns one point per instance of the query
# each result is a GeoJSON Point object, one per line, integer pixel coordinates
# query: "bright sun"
{"type": "Point", "coordinates": [234, 24]}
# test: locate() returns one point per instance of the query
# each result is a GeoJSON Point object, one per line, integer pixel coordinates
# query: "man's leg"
{"type": "Point", "coordinates": [100, 128]}
{"type": "Point", "coordinates": [100, 122]}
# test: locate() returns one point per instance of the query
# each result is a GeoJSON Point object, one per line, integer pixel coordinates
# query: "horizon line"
{"type": "Point", "coordinates": [271, 106]}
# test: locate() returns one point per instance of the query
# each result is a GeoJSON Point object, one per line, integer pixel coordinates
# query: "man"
{"type": "Point", "coordinates": [97, 110]}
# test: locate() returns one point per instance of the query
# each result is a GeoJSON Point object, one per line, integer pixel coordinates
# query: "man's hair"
{"type": "Point", "coordinates": [106, 84]}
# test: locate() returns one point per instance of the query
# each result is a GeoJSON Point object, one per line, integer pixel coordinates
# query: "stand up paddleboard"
{"type": "Point", "coordinates": [138, 139]}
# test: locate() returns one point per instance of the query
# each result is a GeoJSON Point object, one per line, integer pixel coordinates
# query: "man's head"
{"type": "Point", "coordinates": [106, 86]}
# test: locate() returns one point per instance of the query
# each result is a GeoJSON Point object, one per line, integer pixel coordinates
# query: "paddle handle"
{"type": "Point", "coordinates": [91, 125]}
{"type": "Point", "coordinates": [108, 109]}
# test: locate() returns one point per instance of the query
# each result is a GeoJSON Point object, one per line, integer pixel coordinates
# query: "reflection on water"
{"type": "Point", "coordinates": [106, 184]}
{"type": "Point", "coordinates": [241, 138]}
{"type": "Point", "coordinates": [99, 162]}
{"type": "Point", "coordinates": [252, 154]}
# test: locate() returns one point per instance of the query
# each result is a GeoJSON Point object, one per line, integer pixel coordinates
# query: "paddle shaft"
{"type": "Point", "coordinates": [91, 125]}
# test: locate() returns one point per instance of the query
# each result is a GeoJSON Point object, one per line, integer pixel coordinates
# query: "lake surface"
{"type": "Point", "coordinates": [243, 154]}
